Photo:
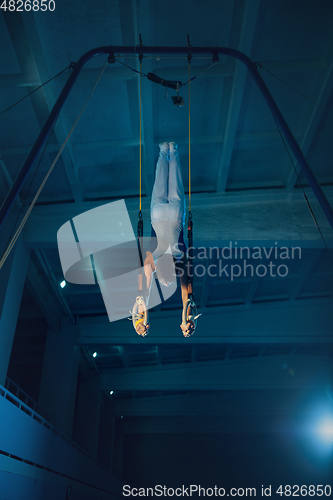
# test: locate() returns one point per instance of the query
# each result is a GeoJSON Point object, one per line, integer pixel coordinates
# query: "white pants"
{"type": "Point", "coordinates": [168, 197]}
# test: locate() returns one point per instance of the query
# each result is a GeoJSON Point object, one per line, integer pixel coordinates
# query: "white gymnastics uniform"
{"type": "Point", "coordinates": [168, 205]}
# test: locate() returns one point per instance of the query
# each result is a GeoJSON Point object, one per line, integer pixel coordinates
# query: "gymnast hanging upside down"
{"type": "Point", "coordinates": [167, 219]}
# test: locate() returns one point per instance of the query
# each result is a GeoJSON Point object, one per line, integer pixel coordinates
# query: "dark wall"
{"type": "Point", "coordinates": [26, 361]}
{"type": "Point", "coordinates": [225, 460]}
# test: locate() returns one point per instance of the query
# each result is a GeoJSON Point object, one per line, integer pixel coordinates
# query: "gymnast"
{"type": "Point", "coordinates": [167, 212]}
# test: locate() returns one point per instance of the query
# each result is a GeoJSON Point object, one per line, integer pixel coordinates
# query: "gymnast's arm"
{"type": "Point", "coordinates": [149, 268]}
{"type": "Point", "coordinates": [182, 270]}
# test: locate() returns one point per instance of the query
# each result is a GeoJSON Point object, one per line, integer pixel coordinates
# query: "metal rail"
{"type": "Point", "coordinates": [140, 51]}
{"type": "Point", "coordinates": [25, 398]}
{"type": "Point", "coordinates": [5, 393]}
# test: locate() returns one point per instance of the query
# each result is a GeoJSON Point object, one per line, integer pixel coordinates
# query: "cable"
{"type": "Point", "coordinates": [189, 137]}
{"type": "Point", "coordinates": [182, 84]}
{"type": "Point", "coordinates": [288, 85]}
{"type": "Point", "coordinates": [189, 222]}
{"type": "Point", "coordinates": [10, 107]}
{"type": "Point", "coordinates": [203, 71]}
{"type": "Point", "coordinates": [25, 218]}
{"type": "Point", "coordinates": [132, 69]}
{"type": "Point", "coordinates": [304, 194]}
{"type": "Point", "coordinates": [140, 133]}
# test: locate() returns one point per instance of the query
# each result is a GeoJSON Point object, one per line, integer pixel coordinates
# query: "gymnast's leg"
{"type": "Point", "coordinates": [160, 189]}
{"type": "Point", "coordinates": [176, 195]}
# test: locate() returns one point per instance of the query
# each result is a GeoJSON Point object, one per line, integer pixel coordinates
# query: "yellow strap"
{"type": "Point", "coordinates": [189, 136]}
{"type": "Point", "coordinates": [141, 320]}
{"type": "Point", "coordinates": [140, 128]}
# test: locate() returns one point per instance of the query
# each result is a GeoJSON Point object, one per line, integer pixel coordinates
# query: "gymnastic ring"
{"type": "Point", "coordinates": [136, 315]}
{"type": "Point", "coordinates": [186, 317]}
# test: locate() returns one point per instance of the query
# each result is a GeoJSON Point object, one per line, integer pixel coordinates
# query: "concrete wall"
{"type": "Point", "coordinates": [226, 460]}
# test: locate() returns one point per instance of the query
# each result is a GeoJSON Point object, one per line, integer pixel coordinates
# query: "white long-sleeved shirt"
{"type": "Point", "coordinates": [167, 233]}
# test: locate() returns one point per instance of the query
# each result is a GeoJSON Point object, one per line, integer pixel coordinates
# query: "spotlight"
{"type": "Point", "coordinates": [95, 354]}
{"type": "Point", "coordinates": [325, 429]}
{"type": "Point", "coordinates": [63, 284]}
{"type": "Point", "coordinates": [111, 392]}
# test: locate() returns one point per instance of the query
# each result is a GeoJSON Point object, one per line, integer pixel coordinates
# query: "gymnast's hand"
{"type": "Point", "coordinates": [189, 329]}
{"type": "Point", "coordinates": [142, 330]}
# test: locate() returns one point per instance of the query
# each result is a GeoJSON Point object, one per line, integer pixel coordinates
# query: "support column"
{"type": "Point", "coordinates": [12, 277]}
{"type": "Point", "coordinates": [118, 449]}
{"type": "Point", "coordinates": [59, 376]}
{"type": "Point", "coordinates": [106, 435]}
{"type": "Point", "coordinates": [88, 414]}
{"type": "Point", "coordinates": [112, 423]}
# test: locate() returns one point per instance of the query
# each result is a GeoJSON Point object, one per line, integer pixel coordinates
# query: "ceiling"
{"type": "Point", "coordinates": [257, 332]}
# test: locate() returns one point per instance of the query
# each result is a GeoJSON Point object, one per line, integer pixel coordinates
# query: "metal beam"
{"type": "Point", "coordinates": [327, 209]}
{"type": "Point", "coordinates": [220, 403]}
{"type": "Point", "coordinates": [294, 322]}
{"type": "Point", "coordinates": [254, 283]}
{"type": "Point", "coordinates": [261, 373]}
{"type": "Point", "coordinates": [235, 89]}
{"type": "Point", "coordinates": [43, 298]}
{"type": "Point", "coordinates": [252, 290]}
{"type": "Point", "coordinates": [35, 283]}
{"type": "Point", "coordinates": [54, 285]}
{"type": "Point", "coordinates": [110, 144]}
{"type": "Point", "coordinates": [6, 182]}
{"type": "Point", "coordinates": [243, 140]}
{"type": "Point", "coordinates": [109, 194]}
{"type": "Point", "coordinates": [239, 216]}
{"type": "Point", "coordinates": [24, 34]}
{"type": "Point", "coordinates": [311, 125]}
{"type": "Point", "coordinates": [317, 255]}
{"type": "Point", "coordinates": [46, 97]}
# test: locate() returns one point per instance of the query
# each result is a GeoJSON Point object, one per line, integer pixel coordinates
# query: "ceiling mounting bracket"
{"type": "Point", "coordinates": [215, 57]}
{"type": "Point", "coordinates": [171, 84]}
{"type": "Point", "coordinates": [177, 99]}
{"type": "Point", "coordinates": [111, 58]}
